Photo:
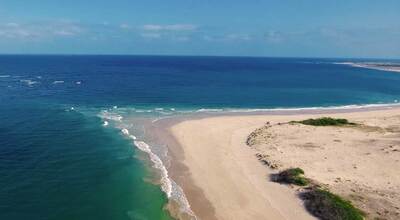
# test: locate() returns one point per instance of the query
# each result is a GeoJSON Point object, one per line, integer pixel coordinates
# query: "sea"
{"type": "Point", "coordinates": [73, 140]}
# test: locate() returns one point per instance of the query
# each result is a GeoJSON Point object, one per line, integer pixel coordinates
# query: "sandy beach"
{"type": "Point", "coordinates": [223, 178]}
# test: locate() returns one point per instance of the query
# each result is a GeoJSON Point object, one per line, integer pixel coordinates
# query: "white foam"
{"type": "Point", "coordinates": [4, 76]}
{"type": "Point", "coordinates": [110, 116]}
{"type": "Point", "coordinates": [155, 120]}
{"type": "Point", "coordinates": [143, 111]}
{"type": "Point", "coordinates": [343, 107]}
{"type": "Point", "coordinates": [105, 123]}
{"type": "Point", "coordinates": [160, 118]}
{"type": "Point", "coordinates": [210, 110]}
{"type": "Point", "coordinates": [173, 111]}
{"type": "Point", "coordinates": [28, 82]}
{"type": "Point", "coordinates": [58, 82]}
{"type": "Point", "coordinates": [166, 184]}
{"type": "Point", "coordinates": [78, 83]}
{"type": "Point", "coordinates": [125, 131]}
{"type": "Point", "coordinates": [179, 195]}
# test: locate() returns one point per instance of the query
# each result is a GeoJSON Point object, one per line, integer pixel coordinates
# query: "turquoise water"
{"type": "Point", "coordinates": [72, 141]}
{"type": "Point", "coordinates": [58, 164]}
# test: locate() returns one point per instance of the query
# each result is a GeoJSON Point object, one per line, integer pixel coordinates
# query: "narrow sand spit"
{"type": "Point", "coordinates": [359, 163]}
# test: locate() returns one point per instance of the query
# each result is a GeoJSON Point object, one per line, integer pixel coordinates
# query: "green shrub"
{"type": "Point", "coordinates": [325, 121]}
{"type": "Point", "coordinates": [328, 206]}
{"type": "Point", "coordinates": [292, 176]}
{"type": "Point", "coordinates": [296, 171]}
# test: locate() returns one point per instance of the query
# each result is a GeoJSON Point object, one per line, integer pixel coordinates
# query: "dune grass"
{"type": "Point", "coordinates": [293, 176]}
{"type": "Point", "coordinates": [320, 202]}
{"type": "Point", "coordinates": [328, 206]}
{"type": "Point", "coordinates": [325, 121]}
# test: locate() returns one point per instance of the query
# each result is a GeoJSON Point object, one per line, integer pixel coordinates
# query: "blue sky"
{"type": "Point", "coordinates": [296, 28]}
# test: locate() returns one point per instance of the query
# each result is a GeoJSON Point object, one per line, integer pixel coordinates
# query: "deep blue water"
{"type": "Point", "coordinates": [195, 81]}
{"type": "Point", "coordinates": [61, 163]}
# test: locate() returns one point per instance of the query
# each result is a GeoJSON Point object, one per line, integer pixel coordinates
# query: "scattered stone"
{"type": "Point", "coordinates": [264, 159]}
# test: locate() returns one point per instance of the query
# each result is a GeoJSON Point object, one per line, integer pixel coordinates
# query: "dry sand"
{"type": "Point", "coordinates": [223, 178]}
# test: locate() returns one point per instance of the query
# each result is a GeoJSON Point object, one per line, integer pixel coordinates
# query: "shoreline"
{"type": "Point", "coordinates": [388, 67]}
{"type": "Point", "coordinates": [181, 173]}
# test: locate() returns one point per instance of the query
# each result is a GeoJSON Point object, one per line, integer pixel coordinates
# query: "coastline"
{"type": "Point", "coordinates": [375, 66]}
{"type": "Point", "coordinates": [280, 201]}
{"type": "Point", "coordinates": [180, 173]}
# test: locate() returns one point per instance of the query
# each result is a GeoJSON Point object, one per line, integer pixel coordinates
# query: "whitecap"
{"type": "Point", "coordinates": [78, 82]}
{"type": "Point", "coordinates": [58, 82]}
{"type": "Point", "coordinates": [125, 131]}
{"type": "Point", "coordinates": [105, 123]}
{"type": "Point", "coordinates": [4, 76]}
{"type": "Point", "coordinates": [28, 82]}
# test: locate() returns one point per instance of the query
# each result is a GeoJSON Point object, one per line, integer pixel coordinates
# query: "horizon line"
{"type": "Point", "coordinates": [188, 55]}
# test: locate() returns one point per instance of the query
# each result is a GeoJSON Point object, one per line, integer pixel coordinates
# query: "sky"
{"type": "Point", "coordinates": [275, 28]}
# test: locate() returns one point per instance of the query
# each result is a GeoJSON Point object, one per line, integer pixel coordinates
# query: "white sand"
{"type": "Point", "coordinates": [347, 159]}
{"type": "Point", "coordinates": [229, 174]}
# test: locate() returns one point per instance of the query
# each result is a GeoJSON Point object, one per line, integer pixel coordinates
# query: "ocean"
{"type": "Point", "coordinates": [73, 140]}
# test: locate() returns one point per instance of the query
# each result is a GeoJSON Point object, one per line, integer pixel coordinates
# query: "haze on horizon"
{"type": "Point", "coordinates": [306, 28]}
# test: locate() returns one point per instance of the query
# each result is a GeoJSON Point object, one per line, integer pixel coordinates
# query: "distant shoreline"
{"type": "Point", "coordinates": [390, 67]}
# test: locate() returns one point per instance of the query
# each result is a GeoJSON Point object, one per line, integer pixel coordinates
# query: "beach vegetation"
{"type": "Point", "coordinates": [328, 206]}
{"type": "Point", "coordinates": [293, 176]}
{"type": "Point", "coordinates": [325, 121]}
